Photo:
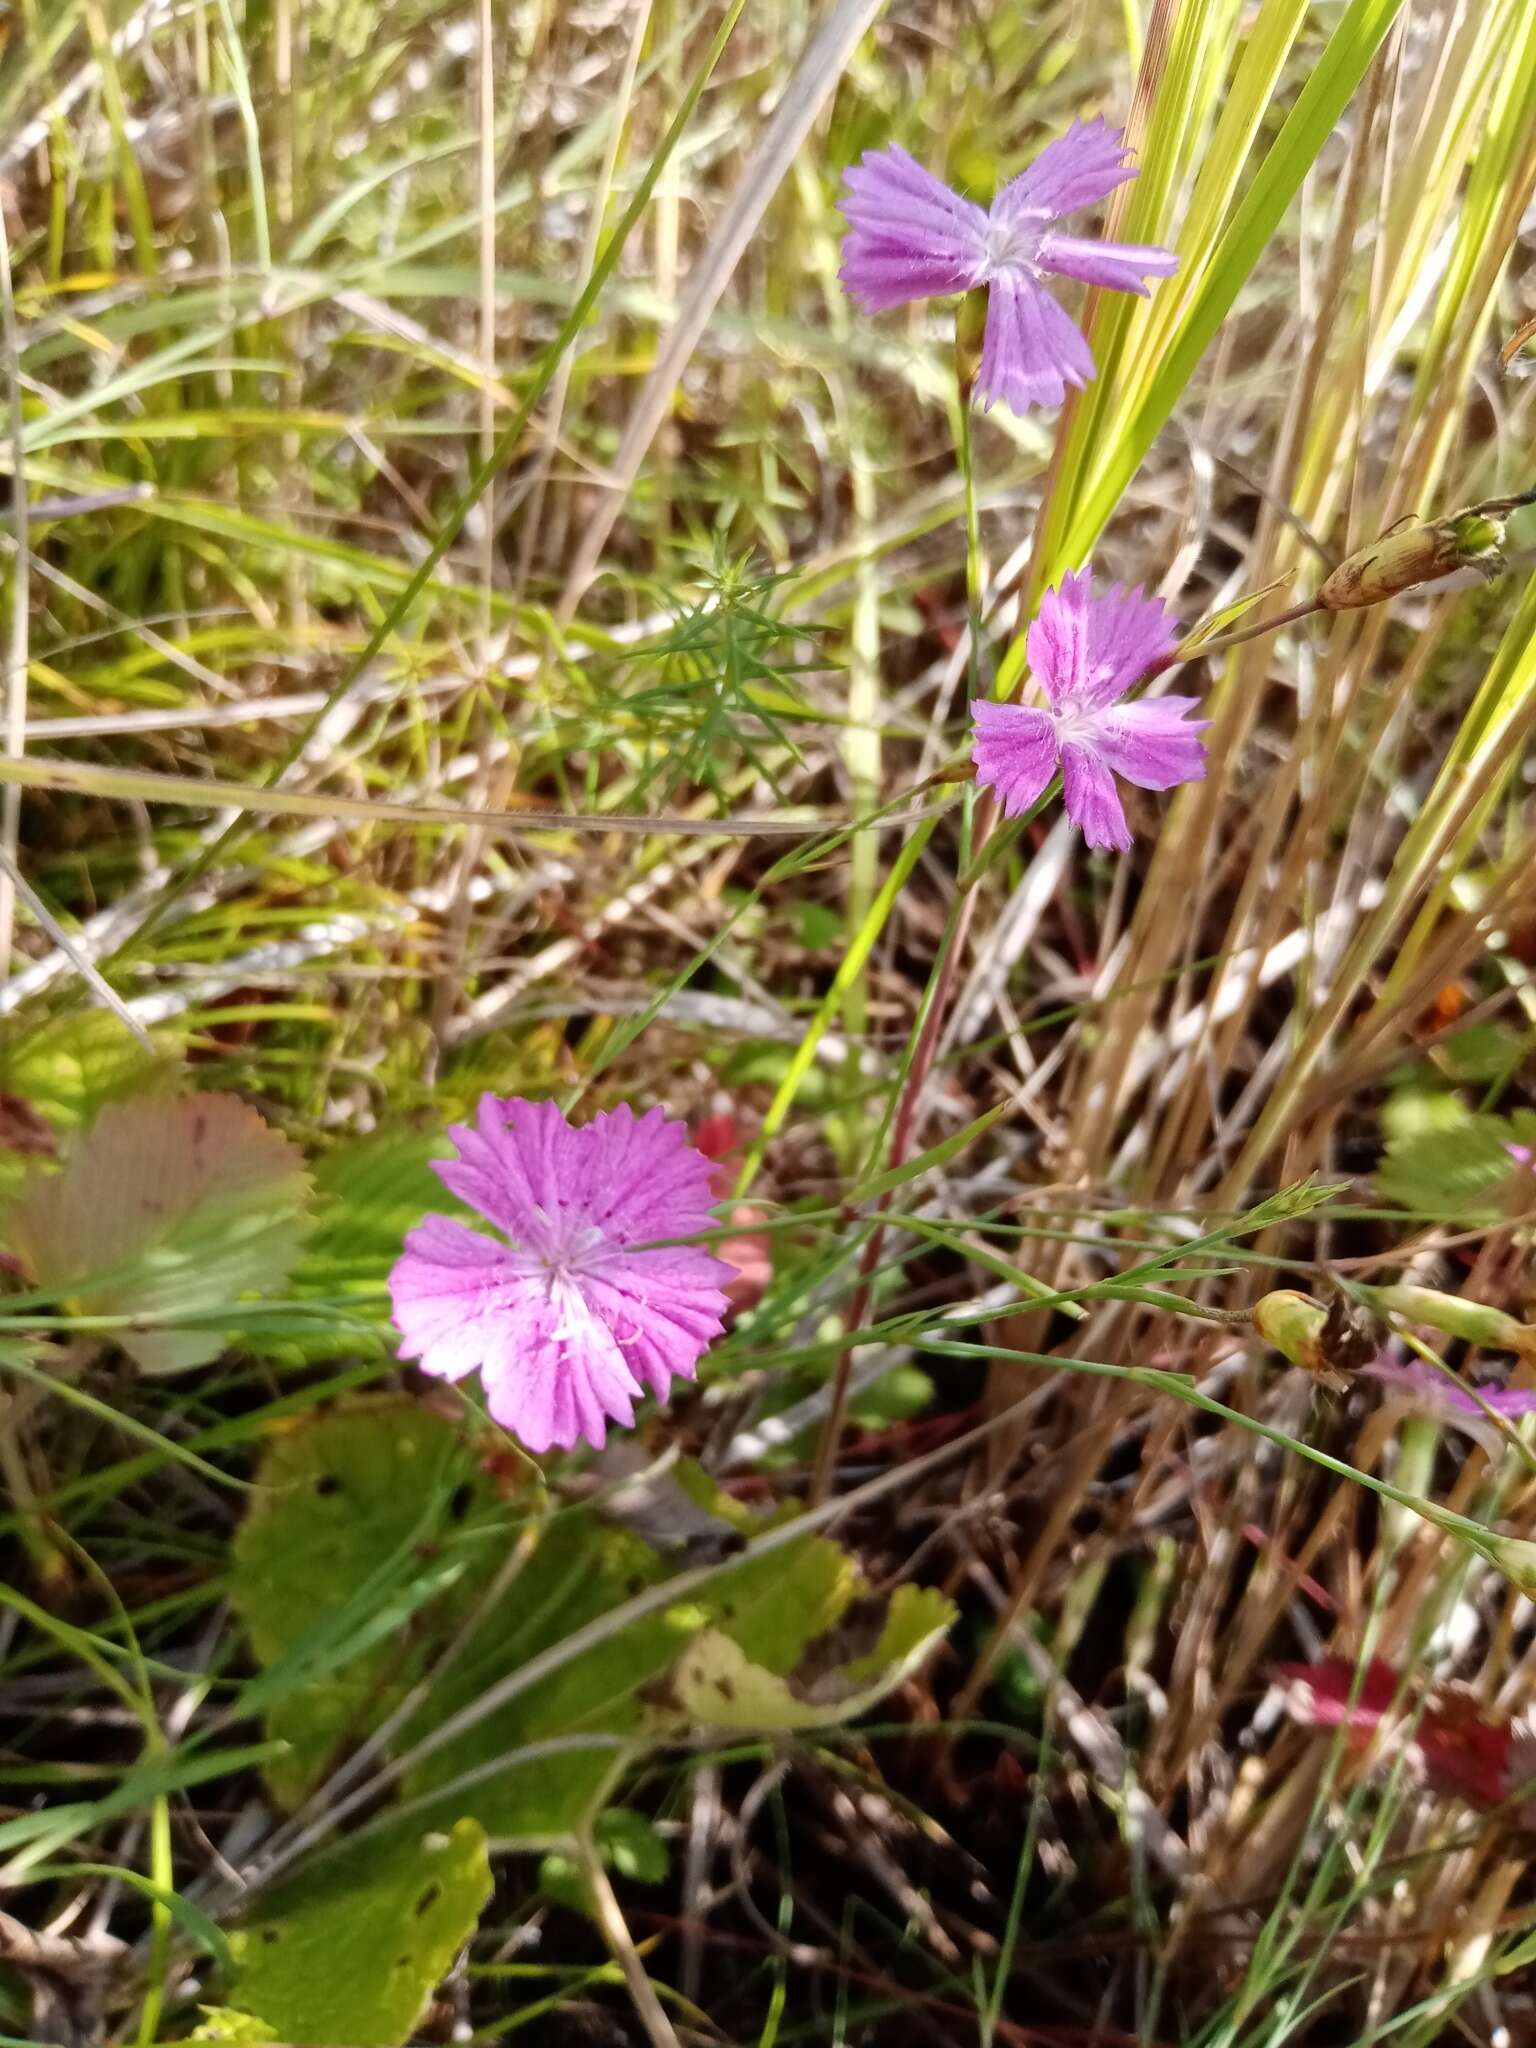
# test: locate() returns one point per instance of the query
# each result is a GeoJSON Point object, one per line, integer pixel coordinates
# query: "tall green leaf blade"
{"type": "Point", "coordinates": [1311, 121]}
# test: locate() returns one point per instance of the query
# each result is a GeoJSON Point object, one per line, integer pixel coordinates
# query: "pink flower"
{"type": "Point", "coordinates": [1085, 652]}
{"type": "Point", "coordinates": [580, 1310]}
{"type": "Point", "coordinates": [1437, 1394]}
{"type": "Point", "coordinates": [911, 237]}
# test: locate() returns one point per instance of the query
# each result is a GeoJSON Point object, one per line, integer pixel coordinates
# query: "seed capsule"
{"type": "Point", "coordinates": [1419, 551]}
{"type": "Point", "coordinates": [1515, 1557]}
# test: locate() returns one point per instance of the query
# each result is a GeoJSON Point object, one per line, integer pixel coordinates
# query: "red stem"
{"type": "Point", "coordinates": [901, 1137]}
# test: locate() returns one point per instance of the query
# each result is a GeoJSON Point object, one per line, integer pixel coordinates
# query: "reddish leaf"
{"type": "Point", "coordinates": [1454, 1747]}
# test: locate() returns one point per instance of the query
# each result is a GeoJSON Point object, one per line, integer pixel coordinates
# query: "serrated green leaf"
{"type": "Point", "coordinates": [1457, 1171]}
{"type": "Point", "coordinates": [1413, 1110]}
{"type": "Point", "coordinates": [57, 1074]}
{"type": "Point", "coordinates": [166, 1208]}
{"type": "Point", "coordinates": [348, 1954]}
{"type": "Point", "coordinates": [1487, 1052]}
{"type": "Point", "coordinates": [69, 1068]}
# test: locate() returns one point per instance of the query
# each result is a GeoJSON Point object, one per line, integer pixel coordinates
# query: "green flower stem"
{"type": "Point", "coordinates": [975, 573]}
{"type": "Point", "coordinates": [980, 815]}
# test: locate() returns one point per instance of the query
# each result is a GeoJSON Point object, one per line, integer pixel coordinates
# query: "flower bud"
{"type": "Point", "coordinates": [1329, 1343]}
{"type": "Point", "coordinates": [970, 327]}
{"type": "Point", "coordinates": [1294, 1325]}
{"type": "Point", "coordinates": [1474, 1320]}
{"type": "Point", "coordinates": [1419, 551]}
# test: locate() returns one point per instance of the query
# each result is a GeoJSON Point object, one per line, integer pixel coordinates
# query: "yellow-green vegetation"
{"type": "Point", "coordinates": [484, 611]}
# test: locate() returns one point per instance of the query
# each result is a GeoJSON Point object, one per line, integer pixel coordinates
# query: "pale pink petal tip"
{"type": "Point", "coordinates": [576, 1310]}
{"type": "Point", "coordinates": [1442, 1396]}
{"type": "Point", "coordinates": [911, 237]}
{"type": "Point", "coordinates": [1085, 652]}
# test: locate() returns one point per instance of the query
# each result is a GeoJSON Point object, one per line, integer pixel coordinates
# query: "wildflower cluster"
{"type": "Point", "coordinates": [910, 237]}
{"type": "Point", "coordinates": [587, 1298]}
{"type": "Point", "coordinates": [591, 1296]}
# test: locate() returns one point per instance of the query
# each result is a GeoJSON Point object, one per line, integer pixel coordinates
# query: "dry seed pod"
{"type": "Point", "coordinates": [1351, 1336]}
{"type": "Point", "coordinates": [1417, 551]}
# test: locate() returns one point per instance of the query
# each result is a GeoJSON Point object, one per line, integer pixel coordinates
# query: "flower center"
{"type": "Point", "coordinates": [1010, 245]}
{"type": "Point", "coordinates": [1076, 725]}
{"type": "Point", "coordinates": [570, 1260]}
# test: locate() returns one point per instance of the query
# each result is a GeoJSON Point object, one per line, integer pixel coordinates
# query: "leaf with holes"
{"type": "Point", "coordinates": [378, 1538]}
{"type": "Point", "coordinates": [68, 1068]}
{"type": "Point", "coordinates": [351, 1951]}
{"type": "Point", "coordinates": [166, 1210]}
{"type": "Point", "coordinates": [365, 1520]}
{"type": "Point", "coordinates": [843, 1673]}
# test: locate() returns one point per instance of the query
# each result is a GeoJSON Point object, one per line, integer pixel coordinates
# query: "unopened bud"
{"type": "Point", "coordinates": [1474, 1320]}
{"type": "Point", "coordinates": [1329, 1343]}
{"type": "Point", "coordinates": [1419, 551]}
{"type": "Point", "coordinates": [1294, 1325]}
{"type": "Point", "coordinates": [970, 329]}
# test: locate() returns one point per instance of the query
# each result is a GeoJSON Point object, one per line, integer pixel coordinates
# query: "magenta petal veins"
{"type": "Point", "coordinates": [911, 237]}
{"type": "Point", "coordinates": [577, 1310]}
{"type": "Point", "coordinates": [1085, 653]}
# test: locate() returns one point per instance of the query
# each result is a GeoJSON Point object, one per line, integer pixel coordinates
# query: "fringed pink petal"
{"type": "Point", "coordinates": [1059, 641]}
{"type": "Point", "coordinates": [1122, 266]}
{"type": "Point", "coordinates": [1093, 805]}
{"type": "Point", "coordinates": [909, 236]}
{"type": "Point", "coordinates": [1030, 350]}
{"type": "Point", "coordinates": [1153, 742]}
{"type": "Point", "coordinates": [1128, 634]}
{"type": "Point", "coordinates": [1078, 169]}
{"type": "Point", "coordinates": [1015, 753]}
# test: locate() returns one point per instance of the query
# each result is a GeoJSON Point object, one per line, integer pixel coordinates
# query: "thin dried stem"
{"type": "Point", "coordinates": [14, 693]}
